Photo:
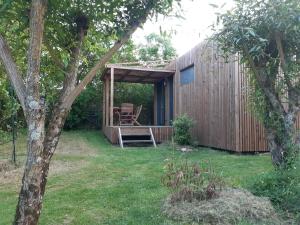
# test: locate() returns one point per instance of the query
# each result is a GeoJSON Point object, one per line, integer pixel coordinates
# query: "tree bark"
{"type": "Point", "coordinates": [12, 71]}
{"type": "Point", "coordinates": [36, 169]}
{"type": "Point", "coordinates": [282, 140]}
{"type": "Point", "coordinates": [34, 178]}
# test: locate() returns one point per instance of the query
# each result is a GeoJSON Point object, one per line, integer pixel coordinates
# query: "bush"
{"type": "Point", "coordinates": [190, 182]}
{"type": "Point", "coordinates": [4, 136]}
{"type": "Point", "coordinates": [281, 187]}
{"type": "Point", "coordinates": [182, 126]}
{"type": "Point", "coordinates": [85, 112]}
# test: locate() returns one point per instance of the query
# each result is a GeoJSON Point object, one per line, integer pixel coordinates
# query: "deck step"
{"type": "Point", "coordinates": [135, 135]}
{"type": "Point", "coordinates": [135, 131]}
{"type": "Point", "coordinates": [137, 141]}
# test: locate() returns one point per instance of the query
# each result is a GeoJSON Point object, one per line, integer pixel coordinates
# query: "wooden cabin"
{"type": "Point", "coordinates": [214, 93]}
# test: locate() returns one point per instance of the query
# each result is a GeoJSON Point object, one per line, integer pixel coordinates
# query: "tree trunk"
{"type": "Point", "coordinates": [282, 141]}
{"type": "Point", "coordinates": [37, 167]}
{"type": "Point", "coordinates": [276, 149]}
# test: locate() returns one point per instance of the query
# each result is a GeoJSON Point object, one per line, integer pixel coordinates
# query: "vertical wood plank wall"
{"type": "Point", "coordinates": [218, 101]}
{"type": "Point", "coordinates": [250, 132]}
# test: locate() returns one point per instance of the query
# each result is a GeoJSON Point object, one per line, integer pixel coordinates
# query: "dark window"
{"type": "Point", "coordinates": [187, 75]}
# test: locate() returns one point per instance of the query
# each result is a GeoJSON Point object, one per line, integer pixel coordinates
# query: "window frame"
{"type": "Point", "coordinates": [189, 80]}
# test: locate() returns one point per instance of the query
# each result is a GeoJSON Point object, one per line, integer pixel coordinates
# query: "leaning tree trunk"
{"type": "Point", "coordinates": [282, 141]}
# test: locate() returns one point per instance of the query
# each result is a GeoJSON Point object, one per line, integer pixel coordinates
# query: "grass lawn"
{"type": "Point", "coordinates": [93, 182]}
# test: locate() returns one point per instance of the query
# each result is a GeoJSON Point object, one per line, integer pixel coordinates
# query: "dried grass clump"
{"type": "Point", "coordinates": [230, 207]}
{"type": "Point", "coordinates": [12, 174]}
{"type": "Point", "coordinates": [6, 165]}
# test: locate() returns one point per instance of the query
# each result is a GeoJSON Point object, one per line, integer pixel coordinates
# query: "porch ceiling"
{"type": "Point", "coordinates": [136, 74]}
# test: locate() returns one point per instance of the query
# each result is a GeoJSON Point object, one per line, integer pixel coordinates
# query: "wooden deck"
{"type": "Point", "coordinates": [161, 133]}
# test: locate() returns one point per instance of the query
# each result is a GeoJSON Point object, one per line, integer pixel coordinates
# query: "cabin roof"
{"type": "Point", "coordinates": [134, 74]}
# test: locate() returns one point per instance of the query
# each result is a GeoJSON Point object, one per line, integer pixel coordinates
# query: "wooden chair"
{"type": "Point", "coordinates": [137, 114]}
{"type": "Point", "coordinates": [126, 114]}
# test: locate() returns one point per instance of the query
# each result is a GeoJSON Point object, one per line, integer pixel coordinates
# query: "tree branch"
{"type": "Point", "coordinates": [12, 71]}
{"type": "Point", "coordinates": [101, 63]}
{"type": "Point", "coordinates": [262, 79]}
{"type": "Point", "coordinates": [282, 60]}
{"type": "Point", "coordinates": [280, 50]}
{"type": "Point", "coordinates": [59, 114]}
{"type": "Point", "coordinates": [293, 93]}
{"type": "Point", "coordinates": [93, 72]}
{"type": "Point", "coordinates": [72, 71]}
{"type": "Point", "coordinates": [54, 56]}
{"type": "Point", "coordinates": [36, 31]}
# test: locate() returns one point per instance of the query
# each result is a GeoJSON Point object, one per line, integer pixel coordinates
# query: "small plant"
{"type": "Point", "coordinates": [4, 136]}
{"type": "Point", "coordinates": [182, 126]}
{"type": "Point", "coordinates": [190, 181]}
{"type": "Point", "coordinates": [282, 188]}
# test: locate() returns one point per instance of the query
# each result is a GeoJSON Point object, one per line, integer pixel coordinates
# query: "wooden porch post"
{"type": "Point", "coordinates": [155, 104]}
{"type": "Point", "coordinates": [167, 102]}
{"type": "Point", "coordinates": [106, 102]}
{"type": "Point", "coordinates": [103, 103]}
{"type": "Point", "coordinates": [111, 96]}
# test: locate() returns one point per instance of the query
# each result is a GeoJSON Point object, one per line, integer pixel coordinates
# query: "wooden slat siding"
{"type": "Point", "coordinates": [111, 134]}
{"type": "Point", "coordinates": [236, 106]}
{"type": "Point", "coordinates": [218, 100]}
{"type": "Point", "coordinates": [210, 99]}
{"type": "Point", "coordinates": [298, 122]}
{"type": "Point", "coordinates": [252, 136]}
{"type": "Point", "coordinates": [161, 133]}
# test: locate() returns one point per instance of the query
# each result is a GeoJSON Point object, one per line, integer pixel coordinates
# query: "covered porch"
{"type": "Point", "coordinates": [160, 130]}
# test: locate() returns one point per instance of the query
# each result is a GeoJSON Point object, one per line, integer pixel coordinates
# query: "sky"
{"type": "Point", "coordinates": [199, 15]}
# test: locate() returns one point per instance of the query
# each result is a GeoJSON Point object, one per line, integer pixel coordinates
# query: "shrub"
{"type": "Point", "coordinates": [281, 187]}
{"type": "Point", "coordinates": [182, 126]}
{"type": "Point", "coordinates": [85, 112]}
{"type": "Point", "coordinates": [190, 182]}
{"type": "Point", "coordinates": [4, 136]}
